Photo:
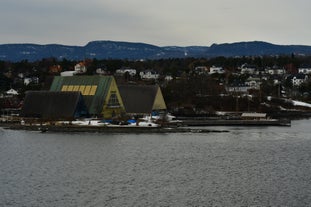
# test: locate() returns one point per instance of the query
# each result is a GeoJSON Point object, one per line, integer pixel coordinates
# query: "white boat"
{"type": "Point", "coordinates": [90, 122]}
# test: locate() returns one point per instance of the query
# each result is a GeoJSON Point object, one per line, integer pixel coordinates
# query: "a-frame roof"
{"type": "Point", "coordinates": [53, 105]}
{"type": "Point", "coordinates": [139, 99]}
{"type": "Point", "coordinates": [93, 88]}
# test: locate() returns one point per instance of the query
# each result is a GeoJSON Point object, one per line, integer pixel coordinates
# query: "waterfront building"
{"type": "Point", "coordinates": [100, 93]}
{"type": "Point", "coordinates": [142, 99]}
{"type": "Point", "coordinates": [53, 105]}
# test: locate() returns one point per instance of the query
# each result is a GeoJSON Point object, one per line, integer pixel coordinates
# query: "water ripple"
{"type": "Point", "coordinates": [245, 167]}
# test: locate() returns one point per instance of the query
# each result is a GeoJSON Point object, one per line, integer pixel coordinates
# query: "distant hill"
{"type": "Point", "coordinates": [137, 51]}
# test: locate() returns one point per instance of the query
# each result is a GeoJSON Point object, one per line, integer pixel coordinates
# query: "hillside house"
{"type": "Point", "coordinates": [149, 75]}
{"type": "Point", "coordinates": [297, 79]}
{"type": "Point", "coordinates": [275, 71]}
{"type": "Point", "coordinates": [253, 82]}
{"type": "Point", "coordinates": [237, 88]}
{"type": "Point", "coordinates": [248, 69]}
{"type": "Point", "coordinates": [34, 80]}
{"type": "Point", "coordinates": [200, 70]}
{"type": "Point", "coordinates": [168, 78]}
{"type": "Point", "coordinates": [122, 71]}
{"type": "Point", "coordinates": [80, 68]}
{"type": "Point", "coordinates": [214, 69]}
{"type": "Point", "coordinates": [12, 92]}
{"type": "Point", "coordinates": [304, 70]}
{"type": "Point", "coordinates": [101, 71]}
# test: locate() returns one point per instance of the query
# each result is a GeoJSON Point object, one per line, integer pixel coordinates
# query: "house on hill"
{"type": "Point", "coordinates": [297, 79]}
{"type": "Point", "coordinates": [52, 106]}
{"type": "Point", "coordinates": [142, 99]}
{"type": "Point", "coordinates": [100, 93]}
{"type": "Point", "coordinates": [149, 75]}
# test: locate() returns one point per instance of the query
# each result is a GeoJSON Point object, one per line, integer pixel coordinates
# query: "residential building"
{"type": "Point", "coordinates": [80, 68]}
{"type": "Point", "coordinates": [34, 80]}
{"type": "Point", "coordinates": [304, 70]}
{"type": "Point", "coordinates": [149, 75]}
{"type": "Point", "coordinates": [248, 69]}
{"type": "Point", "coordinates": [122, 71]}
{"type": "Point", "coordinates": [201, 70]}
{"type": "Point", "coordinates": [253, 82]}
{"type": "Point", "coordinates": [275, 71]}
{"type": "Point", "coordinates": [298, 79]}
{"type": "Point", "coordinates": [214, 69]}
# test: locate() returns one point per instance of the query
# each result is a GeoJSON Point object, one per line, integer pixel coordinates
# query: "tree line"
{"type": "Point", "coordinates": [189, 87]}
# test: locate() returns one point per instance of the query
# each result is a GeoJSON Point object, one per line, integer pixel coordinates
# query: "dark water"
{"type": "Point", "coordinates": [268, 166]}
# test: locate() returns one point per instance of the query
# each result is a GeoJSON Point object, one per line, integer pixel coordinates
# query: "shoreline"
{"type": "Point", "coordinates": [221, 122]}
{"type": "Point", "coordinates": [105, 129]}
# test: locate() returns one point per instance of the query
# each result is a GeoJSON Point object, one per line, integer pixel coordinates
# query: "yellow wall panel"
{"type": "Point", "coordinates": [75, 88]}
{"type": "Point", "coordinates": [87, 90]}
{"type": "Point", "coordinates": [93, 90]}
{"type": "Point", "coordinates": [70, 88]}
{"type": "Point", "coordinates": [159, 103]}
{"type": "Point", "coordinates": [64, 88]}
{"type": "Point", "coordinates": [81, 89]}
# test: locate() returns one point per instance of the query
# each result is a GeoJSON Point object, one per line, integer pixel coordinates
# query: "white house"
{"type": "Point", "coordinates": [253, 83]}
{"type": "Point", "coordinates": [247, 69]}
{"type": "Point", "coordinates": [214, 69]}
{"type": "Point", "coordinates": [101, 71]}
{"type": "Point", "coordinates": [275, 71]}
{"type": "Point", "coordinates": [298, 79]}
{"type": "Point", "coordinates": [34, 80]}
{"type": "Point", "coordinates": [237, 89]}
{"type": "Point", "coordinates": [27, 81]}
{"type": "Point", "coordinates": [304, 70]}
{"type": "Point", "coordinates": [80, 68]}
{"type": "Point", "coordinates": [11, 92]}
{"type": "Point", "coordinates": [149, 75]}
{"type": "Point", "coordinates": [122, 71]}
{"type": "Point", "coordinates": [168, 78]}
{"type": "Point", "coordinates": [200, 70]}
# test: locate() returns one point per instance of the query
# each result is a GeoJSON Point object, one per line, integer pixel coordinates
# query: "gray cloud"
{"type": "Point", "coordinates": [162, 22]}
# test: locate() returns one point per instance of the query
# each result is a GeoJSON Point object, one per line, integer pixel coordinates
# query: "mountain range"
{"type": "Point", "coordinates": [140, 51]}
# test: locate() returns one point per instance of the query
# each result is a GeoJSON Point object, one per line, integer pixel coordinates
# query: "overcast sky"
{"type": "Point", "coordinates": [158, 22]}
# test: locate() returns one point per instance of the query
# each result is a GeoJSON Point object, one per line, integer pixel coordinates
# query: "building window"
{"type": "Point", "coordinates": [113, 101]}
{"type": "Point", "coordinates": [86, 90]}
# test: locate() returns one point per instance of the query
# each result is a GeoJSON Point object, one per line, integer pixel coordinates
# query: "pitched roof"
{"type": "Point", "coordinates": [12, 92]}
{"type": "Point", "coordinates": [139, 98]}
{"type": "Point", "coordinates": [53, 105]}
{"type": "Point", "coordinates": [93, 88]}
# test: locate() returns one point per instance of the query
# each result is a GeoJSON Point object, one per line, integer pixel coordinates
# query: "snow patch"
{"type": "Point", "coordinates": [300, 103]}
